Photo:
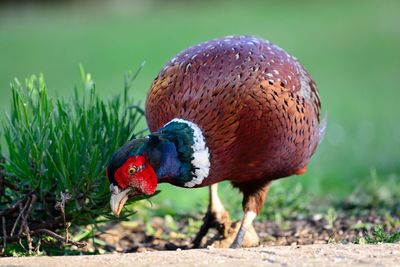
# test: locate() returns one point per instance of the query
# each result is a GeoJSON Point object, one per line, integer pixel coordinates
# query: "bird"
{"type": "Point", "coordinates": [238, 109]}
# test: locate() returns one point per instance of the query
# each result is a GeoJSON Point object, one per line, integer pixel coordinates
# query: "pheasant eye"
{"type": "Point", "coordinates": [132, 170]}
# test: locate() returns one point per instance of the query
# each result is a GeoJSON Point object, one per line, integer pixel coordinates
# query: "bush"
{"type": "Point", "coordinates": [53, 174]}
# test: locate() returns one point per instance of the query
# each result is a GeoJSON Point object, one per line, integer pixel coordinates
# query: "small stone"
{"type": "Point", "coordinates": [141, 249]}
{"type": "Point", "coordinates": [317, 217]}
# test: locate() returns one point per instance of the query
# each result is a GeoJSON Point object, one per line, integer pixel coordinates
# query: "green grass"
{"type": "Point", "coordinates": [350, 48]}
{"type": "Point", "coordinates": [55, 159]}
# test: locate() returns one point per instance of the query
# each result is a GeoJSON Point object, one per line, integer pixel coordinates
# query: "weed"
{"type": "Point", "coordinates": [379, 235]}
{"type": "Point", "coordinates": [330, 218]}
{"type": "Point", "coordinates": [53, 174]}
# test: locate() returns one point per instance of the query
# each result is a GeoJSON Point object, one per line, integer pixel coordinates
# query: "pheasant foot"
{"type": "Point", "coordinates": [226, 240]}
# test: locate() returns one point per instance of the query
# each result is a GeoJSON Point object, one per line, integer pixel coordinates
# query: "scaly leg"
{"type": "Point", "coordinates": [253, 200]}
{"type": "Point", "coordinates": [216, 217]}
{"type": "Point", "coordinates": [246, 225]}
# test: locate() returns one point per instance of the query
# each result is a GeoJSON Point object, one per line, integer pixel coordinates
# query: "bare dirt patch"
{"type": "Point", "coordinates": [311, 255]}
{"type": "Point", "coordinates": [164, 233]}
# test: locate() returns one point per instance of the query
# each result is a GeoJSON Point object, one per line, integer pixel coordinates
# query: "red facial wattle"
{"type": "Point", "coordinates": [144, 179]}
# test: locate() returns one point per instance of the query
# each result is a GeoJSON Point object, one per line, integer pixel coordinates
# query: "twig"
{"type": "Point", "coordinates": [20, 243]}
{"type": "Point", "coordinates": [61, 206]}
{"type": "Point", "coordinates": [19, 216]}
{"type": "Point", "coordinates": [27, 213]}
{"type": "Point", "coordinates": [24, 225]}
{"type": "Point", "coordinates": [47, 225]}
{"type": "Point", "coordinates": [38, 245]}
{"type": "Point", "coordinates": [3, 219]}
{"type": "Point", "coordinates": [58, 237]}
{"type": "Point", "coordinates": [28, 238]}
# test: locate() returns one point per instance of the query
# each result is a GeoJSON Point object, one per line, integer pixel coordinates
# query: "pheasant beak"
{"type": "Point", "coordinates": [118, 198]}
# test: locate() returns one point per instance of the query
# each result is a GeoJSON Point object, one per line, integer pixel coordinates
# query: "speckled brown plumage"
{"type": "Point", "coordinates": [257, 106]}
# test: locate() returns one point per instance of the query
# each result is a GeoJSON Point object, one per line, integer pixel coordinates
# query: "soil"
{"type": "Point", "coordinates": [311, 255]}
{"type": "Point", "coordinates": [320, 240]}
{"type": "Point", "coordinates": [166, 234]}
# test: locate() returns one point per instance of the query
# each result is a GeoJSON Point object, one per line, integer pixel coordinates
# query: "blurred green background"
{"type": "Point", "coordinates": [351, 48]}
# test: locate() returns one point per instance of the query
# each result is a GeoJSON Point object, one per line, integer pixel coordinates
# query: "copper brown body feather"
{"type": "Point", "coordinates": [257, 106]}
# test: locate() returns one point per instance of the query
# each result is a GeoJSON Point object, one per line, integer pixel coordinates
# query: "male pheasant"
{"type": "Point", "coordinates": [239, 109]}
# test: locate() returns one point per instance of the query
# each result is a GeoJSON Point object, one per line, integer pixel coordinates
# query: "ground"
{"type": "Point", "coordinates": [310, 255]}
{"type": "Point", "coordinates": [167, 233]}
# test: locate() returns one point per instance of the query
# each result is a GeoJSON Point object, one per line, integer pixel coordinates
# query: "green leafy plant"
{"type": "Point", "coordinates": [330, 217]}
{"type": "Point", "coordinates": [378, 235]}
{"type": "Point", "coordinates": [52, 175]}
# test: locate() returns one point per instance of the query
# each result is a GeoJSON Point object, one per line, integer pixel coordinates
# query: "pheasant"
{"type": "Point", "coordinates": [239, 109]}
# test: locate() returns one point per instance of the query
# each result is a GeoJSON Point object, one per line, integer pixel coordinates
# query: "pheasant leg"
{"type": "Point", "coordinates": [216, 217]}
{"type": "Point", "coordinates": [253, 200]}
{"type": "Point", "coordinates": [246, 225]}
